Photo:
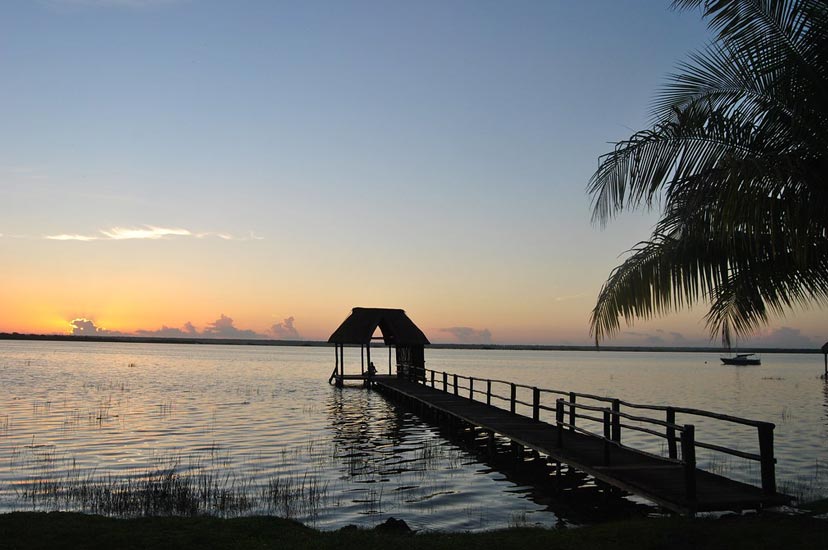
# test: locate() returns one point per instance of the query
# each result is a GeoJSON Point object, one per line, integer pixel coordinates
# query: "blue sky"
{"type": "Point", "coordinates": [314, 156]}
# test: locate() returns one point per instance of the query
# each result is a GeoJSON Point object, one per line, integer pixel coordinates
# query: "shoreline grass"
{"type": "Point", "coordinates": [56, 530]}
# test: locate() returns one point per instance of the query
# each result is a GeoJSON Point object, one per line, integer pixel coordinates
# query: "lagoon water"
{"type": "Point", "coordinates": [258, 430]}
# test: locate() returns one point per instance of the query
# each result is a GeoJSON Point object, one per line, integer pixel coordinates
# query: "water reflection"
{"type": "Point", "coordinates": [261, 428]}
{"type": "Point", "coordinates": [394, 463]}
{"type": "Point", "coordinates": [413, 464]}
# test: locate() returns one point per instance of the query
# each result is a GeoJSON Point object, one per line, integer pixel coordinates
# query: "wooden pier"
{"type": "Point", "coordinates": [580, 430]}
{"type": "Point", "coordinates": [585, 432]}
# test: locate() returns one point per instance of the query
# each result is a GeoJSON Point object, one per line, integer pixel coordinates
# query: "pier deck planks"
{"type": "Point", "coordinates": [655, 478]}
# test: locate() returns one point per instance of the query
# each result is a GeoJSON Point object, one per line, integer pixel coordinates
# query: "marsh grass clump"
{"type": "Point", "coordinates": [155, 493]}
{"type": "Point", "coordinates": [168, 492]}
{"type": "Point", "coordinates": [165, 409]}
{"type": "Point", "coordinates": [809, 487]}
{"type": "Point", "coordinates": [290, 497]}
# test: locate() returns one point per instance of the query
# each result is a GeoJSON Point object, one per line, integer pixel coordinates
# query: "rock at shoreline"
{"type": "Point", "coordinates": [393, 525]}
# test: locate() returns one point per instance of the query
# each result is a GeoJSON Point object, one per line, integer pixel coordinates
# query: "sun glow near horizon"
{"type": "Point", "coordinates": [300, 160]}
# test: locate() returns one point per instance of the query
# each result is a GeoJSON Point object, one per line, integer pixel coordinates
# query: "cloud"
{"type": "Point", "coordinates": [785, 337]}
{"type": "Point", "coordinates": [147, 232]}
{"type": "Point", "coordinates": [188, 331]}
{"type": "Point", "coordinates": [87, 327]}
{"type": "Point", "coordinates": [67, 237]}
{"type": "Point", "coordinates": [285, 330]}
{"type": "Point", "coordinates": [223, 328]}
{"type": "Point", "coordinates": [641, 338]}
{"type": "Point", "coordinates": [672, 337]}
{"type": "Point", "coordinates": [658, 337]}
{"type": "Point", "coordinates": [468, 335]}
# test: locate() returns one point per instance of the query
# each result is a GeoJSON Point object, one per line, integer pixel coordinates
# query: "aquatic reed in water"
{"type": "Point", "coordinates": [807, 488]}
{"type": "Point", "coordinates": [290, 497]}
{"type": "Point", "coordinates": [170, 493]}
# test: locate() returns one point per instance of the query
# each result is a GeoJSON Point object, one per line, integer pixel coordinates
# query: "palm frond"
{"type": "Point", "coordinates": [696, 141]}
{"type": "Point", "coordinates": [660, 276]}
{"type": "Point", "coordinates": [737, 162]}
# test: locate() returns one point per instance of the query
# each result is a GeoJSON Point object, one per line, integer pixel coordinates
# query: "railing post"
{"type": "Point", "coordinates": [671, 434]}
{"type": "Point", "coordinates": [513, 398]}
{"type": "Point", "coordinates": [571, 410]}
{"type": "Point", "coordinates": [432, 379]}
{"type": "Point", "coordinates": [607, 435]}
{"type": "Point", "coordinates": [559, 417]}
{"type": "Point", "coordinates": [688, 456]}
{"type": "Point", "coordinates": [455, 385]}
{"type": "Point", "coordinates": [445, 382]}
{"type": "Point", "coordinates": [767, 459]}
{"type": "Point", "coordinates": [535, 404]}
{"type": "Point", "coordinates": [488, 392]}
{"type": "Point", "coordinates": [616, 421]}
{"type": "Point", "coordinates": [471, 388]}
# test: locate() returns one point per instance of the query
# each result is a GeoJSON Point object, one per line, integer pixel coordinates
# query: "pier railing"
{"type": "Point", "coordinates": [603, 417]}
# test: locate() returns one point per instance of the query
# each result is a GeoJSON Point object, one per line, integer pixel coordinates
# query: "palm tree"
{"type": "Point", "coordinates": [736, 160]}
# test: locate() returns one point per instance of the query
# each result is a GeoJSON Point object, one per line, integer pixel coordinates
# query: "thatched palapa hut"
{"type": "Point", "coordinates": [825, 353]}
{"type": "Point", "coordinates": [397, 332]}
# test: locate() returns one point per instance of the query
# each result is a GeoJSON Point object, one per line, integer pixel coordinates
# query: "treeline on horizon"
{"type": "Point", "coordinates": [322, 343]}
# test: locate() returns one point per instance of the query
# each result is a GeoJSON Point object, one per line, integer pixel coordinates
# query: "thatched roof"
{"type": "Point", "coordinates": [396, 327]}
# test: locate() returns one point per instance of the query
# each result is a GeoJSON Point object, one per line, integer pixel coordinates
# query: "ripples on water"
{"type": "Point", "coordinates": [258, 427]}
{"type": "Point", "coordinates": [248, 430]}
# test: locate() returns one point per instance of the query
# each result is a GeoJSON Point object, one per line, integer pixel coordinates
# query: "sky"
{"type": "Point", "coordinates": [258, 168]}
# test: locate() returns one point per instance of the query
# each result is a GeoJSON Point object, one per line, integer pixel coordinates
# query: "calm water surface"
{"type": "Point", "coordinates": [259, 430]}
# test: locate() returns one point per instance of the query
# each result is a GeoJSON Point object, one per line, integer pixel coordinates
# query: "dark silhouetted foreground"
{"type": "Point", "coordinates": [64, 530]}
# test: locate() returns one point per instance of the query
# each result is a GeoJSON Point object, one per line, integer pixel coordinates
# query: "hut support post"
{"type": "Point", "coordinates": [825, 353]}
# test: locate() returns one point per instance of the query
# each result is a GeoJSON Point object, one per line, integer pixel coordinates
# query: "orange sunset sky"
{"type": "Point", "coordinates": [257, 169]}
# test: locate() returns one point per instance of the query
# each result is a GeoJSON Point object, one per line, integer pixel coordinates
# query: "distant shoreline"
{"type": "Point", "coordinates": [319, 343]}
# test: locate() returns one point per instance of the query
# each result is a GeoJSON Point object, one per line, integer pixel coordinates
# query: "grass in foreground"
{"type": "Point", "coordinates": [30, 530]}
